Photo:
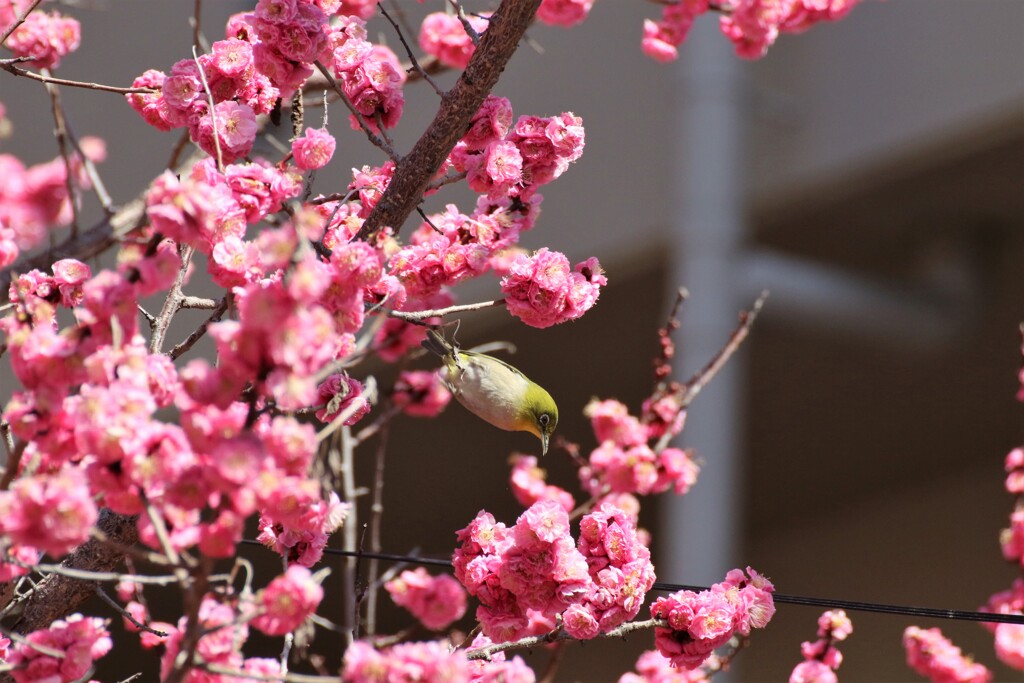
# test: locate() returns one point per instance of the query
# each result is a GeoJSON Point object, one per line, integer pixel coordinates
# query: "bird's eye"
{"type": "Point", "coordinates": [544, 419]}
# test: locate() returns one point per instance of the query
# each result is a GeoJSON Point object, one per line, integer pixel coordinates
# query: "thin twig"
{"type": "Point", "coordinates": [60, 131]}
{"type": "Point", "coordinates": [701, 379]}
{"type": "Point", "coordinates": [8, 66]}
{"type": "Point", "coordinates": [127, 615]}
{"type": "Point", "coordinates": [470, 31]}
{"type": "Point", "coordinates": [171, 304]}
{"type": "Point", "coordinates": [350, 618]}
{"type": "Point", "coordinates": [696, 384]}
{"type": "Point", "coordinates": [559, 635]}
{"type": "Point", "coordinates": [213, 109]}
{"type": "Point", "coordinates": [376, 516]}
{"type": "Point", "coordinates": [446, 180]}
{"type": "Point", "coordinates": [417, 317]}
{"type": "Point", "coordinates": [18, 21]}
{"type": "Point", "coordinates": [198, 302]}
{"type": "Point", "coordinates": [378, 142]}
{"type": "Point", "coordinates": [408, 51]}
{"type": "Point", "coordinates": [13, 464]}
{"type": "Point", "coordinates": [197, 334]}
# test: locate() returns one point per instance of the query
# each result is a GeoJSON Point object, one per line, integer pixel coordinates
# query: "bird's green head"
{"type": "Point", "coordinates": [541, 414]}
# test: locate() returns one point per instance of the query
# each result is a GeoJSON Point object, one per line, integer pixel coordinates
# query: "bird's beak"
{"type": "Point", "coordinates": [544, 444]}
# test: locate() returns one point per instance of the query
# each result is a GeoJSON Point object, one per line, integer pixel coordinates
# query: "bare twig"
{"type": "Point", "coordinates": [468, 27]}
{"type": "Point", "coordinates": [376, 515]}
{"type": "Point", "coordinates": [126, 614]}
{"type": "Point", "coordinates": [559, 635]}
{"type": "Point", "coordinates": [8, 66]}
{"type": "Point", "coordinates": [417, 317]}
{"type": "Point", "coordinates": [408, 51]}
{"type": "Point", "coordinates": [60, 131]}
{"type": "Point", "coordinates": [172, 303]}
{"type": "Point", "coordinates": [701, 379]}
{"type": "Point", "coordinates": [689, 391]}
{"type": "Point", "coordinates": [350, 619]}
{"type": "Point", "coordinates": [13, 464]}
{"type": "Point", "coordinates": [198, 333]}
{"type": "Point", "coordinates": [18, 21]}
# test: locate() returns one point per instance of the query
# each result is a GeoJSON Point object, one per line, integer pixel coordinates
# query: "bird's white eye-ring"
{"type": "Point", "coordinates": [544, 419]}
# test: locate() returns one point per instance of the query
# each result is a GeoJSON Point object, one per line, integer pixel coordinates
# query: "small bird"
{"type": "Point", "coordinates": [495, 391]}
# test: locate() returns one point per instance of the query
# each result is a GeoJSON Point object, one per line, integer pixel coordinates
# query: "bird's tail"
{"type": "Point", "coordinates": [437, 344]}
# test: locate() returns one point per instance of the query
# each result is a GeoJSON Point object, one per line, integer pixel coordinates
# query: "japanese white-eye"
{"type": "Point", "coordinates": [495, 391]}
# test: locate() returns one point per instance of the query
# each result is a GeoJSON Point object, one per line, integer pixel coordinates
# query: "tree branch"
{"type": "Point", "coordinates": [58, 595]}
{"type": "Point", "coordinates": [458, 105]}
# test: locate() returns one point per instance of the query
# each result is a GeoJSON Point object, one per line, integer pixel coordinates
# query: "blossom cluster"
{"type": "Point", "coordinates": [698, 623]}
{"type": "Point", "coordinates": [752, 25]}
{"type": "Point", "coordinates": [932, 655]}
{"type": "Point", "coordinates": [527, 575]}
{"type": "Point", "coordinates": [35, 198]}
{"type": "Point", "coordinates": [430, 661]}
{"type": "Point", "coordinates": [653, 667]}
{"type": "Point", "coordinates": [624, 462]}
{"type": "Point", "coordinates": [821, 657]}
{"type": "Point", "coordinates": [542, 290]}
{"type": "Point", "coordinates": [266, 55]}
{"type": "Point", "coordinates": [79, 640]}
{"type": "Point", "coordinates": [46, 37]}
{"type": "Point", "coordinates": [436, 601]}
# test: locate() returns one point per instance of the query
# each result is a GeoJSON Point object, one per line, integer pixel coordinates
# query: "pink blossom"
{"type": "Point", "coordinates": [542, 291]}
{"type": "Point", "coordinates": [404, 663]}
{"type": "Point", "coordinates": [528, 484]}
{"type": "Point", "coordinates": [45, 36]}
{"type": "Point", "coordinates": [287, 601]}
{"type": "Point", "coordinates": [812, 671]}
{"type": "Point", "coordinates": [652, 667]}
{"type": "Point", "coordinates": [933, 656]}
{"type": "Point", "coordinates": [496, 170]}
{"type": "Point", "coordinates": [564, 12]}
{"type": "Point", "coordinates": [342, 394]}
{"type": "Point", "coordinates": [621, 572]}
{"type": "Point", "coordinates": [235, 131]}
{"type": "Point", "coordinates": [436, 601]}
{"type": "Point", "coordinates": [442, 36]}
{"type": "Point", "coordinates": [1009, 645]}
{"type": "Point", "coordinates": [491, 123]}
{"type": "Point", "coordinates": [662, 38]}
{"type": "Point", "coordinates": [222, 642]}
{"type": "Point", "coordinates": [51, 512]}
{"type": "Point", "coordinates": [700, 622]}
{"type": "Point", "coordinates": [81, 640]}
{"type": "Point", "coordinates": [534, 566]}
{"type": "Point", "coordinates": [420, 393]}
{"type": "Point", "coordinates": [547, 146]}
{"type": "Point", "coordinates": [611, 421]}
{"type": "Point", "coordinates": [300, 538]}
{"type": "Point", "coordinates": [314, 149]}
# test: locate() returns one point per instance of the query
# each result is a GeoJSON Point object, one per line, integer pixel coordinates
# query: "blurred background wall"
{"type": "Point", "coordinates": [870, 173]}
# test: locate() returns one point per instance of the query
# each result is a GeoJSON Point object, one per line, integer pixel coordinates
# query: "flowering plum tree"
{"type": "Point", "coordinates": [133, 460]}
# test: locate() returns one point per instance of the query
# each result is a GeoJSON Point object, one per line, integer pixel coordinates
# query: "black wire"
{"type": "Point", "coordinates": [926, 612]}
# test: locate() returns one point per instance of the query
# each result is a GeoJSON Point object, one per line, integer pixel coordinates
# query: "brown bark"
{"type": "Point", "coordinates": [57, 595]}
{"type": "Point", "coordinates": [413, 172]}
